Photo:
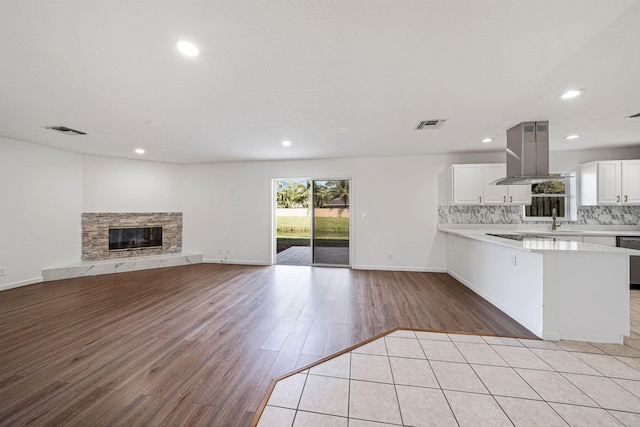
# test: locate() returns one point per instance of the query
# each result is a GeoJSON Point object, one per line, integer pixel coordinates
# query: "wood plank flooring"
{"type": "Point", "coordinates": [199, 345]}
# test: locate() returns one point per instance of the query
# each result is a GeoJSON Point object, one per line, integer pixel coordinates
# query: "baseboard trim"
{"type": "Point", "coordinates": [399, 268]}
{"type": "Point", "coordinates": [234, 261]}
{"type": "Point", "coordinates": [21, 283]}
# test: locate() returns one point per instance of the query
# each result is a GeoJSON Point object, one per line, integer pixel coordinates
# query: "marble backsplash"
{"type": "Point", "coordinates": [487, 214]}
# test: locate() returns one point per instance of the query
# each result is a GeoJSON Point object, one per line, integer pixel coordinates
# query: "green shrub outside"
{"type": "Point", "coordinates": [299, 227]}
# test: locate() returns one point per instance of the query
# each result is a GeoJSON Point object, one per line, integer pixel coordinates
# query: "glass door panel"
{"type": "Point", "coordinates": [330, 222]}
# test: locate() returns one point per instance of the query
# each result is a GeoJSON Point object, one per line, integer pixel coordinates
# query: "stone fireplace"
{"type": "Point", "coordinates": [137, 234]}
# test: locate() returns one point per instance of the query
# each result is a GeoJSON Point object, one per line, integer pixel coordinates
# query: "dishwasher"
{"type": "Point", "coordinates": [631, 242]}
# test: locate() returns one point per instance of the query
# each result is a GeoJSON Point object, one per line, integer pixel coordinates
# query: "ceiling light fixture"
{"type": "Point", "coordinates": [140, 151]}
{"type": "Point", "coordinates": [487, 140]}
{"type": "Point", "coordinates": [572, 93]}
{"type": "Point", "coordinates": [188, 48]}
{"type": "Point", "coordinates": [286, 143]}
{"type": "Point", "coordinates": [574, 136]}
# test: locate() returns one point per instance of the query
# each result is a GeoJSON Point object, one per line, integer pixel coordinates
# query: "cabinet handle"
{"type": "Point", "coordinates": [626, 199]}
{"type": "Point", "coordinates": [618, 199]}
{"type": "Point", "coordinates": [480, 199]}
{"type": "Point", "coordinates": [504, 199]}
{"type": "Point", "coordinates": [510, 199]}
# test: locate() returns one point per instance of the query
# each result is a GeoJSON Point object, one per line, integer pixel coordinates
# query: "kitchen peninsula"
{"type": "Point", "coordinates": [556, 288]}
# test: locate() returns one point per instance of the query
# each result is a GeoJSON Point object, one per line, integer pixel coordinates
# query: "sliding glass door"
{"type": "Point", "coordinates": [330, 230]}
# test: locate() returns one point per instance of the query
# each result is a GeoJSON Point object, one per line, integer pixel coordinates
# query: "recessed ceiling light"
{"type": "Point", "coordinates": [188, 48]}
{"type": "Point", "coordinates": [572, 93]}
{"type": "Point", "coordinates": [140, 151]}
{"type": "Point", "coordinates": [487, 140]}
{"type": "Point", "coordinates": [154, 123]}
{"type": "Point", "coordinates": [343, 127]}
{"type": "Point", "coordinates": [574, 136]}
{"type": "Point", "coordinates": [286, 143]}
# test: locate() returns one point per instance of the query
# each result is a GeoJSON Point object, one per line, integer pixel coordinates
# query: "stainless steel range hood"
{"type": "Point", "coordinates": [527, 154]}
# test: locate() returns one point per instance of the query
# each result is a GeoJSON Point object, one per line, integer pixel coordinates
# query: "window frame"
{"type": "Point", "coordinates": [570, 202]}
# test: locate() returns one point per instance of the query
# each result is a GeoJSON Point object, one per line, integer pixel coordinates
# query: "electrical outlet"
{"type": "Point", "coordinates": [3, 271]}
{"type": "Point", "coordinates": [219, 251]}
{"type": "Point", "coordinates": [227, 251]}
{"type": "Point", "coordinates": [389, 257]}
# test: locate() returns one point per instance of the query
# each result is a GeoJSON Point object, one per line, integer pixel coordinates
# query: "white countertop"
{"type": "Point", "coordinates": [545, 229]}
{"type": "Point", "coordinates": [559, 243]}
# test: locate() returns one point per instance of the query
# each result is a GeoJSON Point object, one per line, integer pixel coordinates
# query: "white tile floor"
{"type": "Point", "coordinates": [425, 378]}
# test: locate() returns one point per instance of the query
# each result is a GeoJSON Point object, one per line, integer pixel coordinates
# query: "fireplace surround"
{"type": "Point", "coordinates": [96, 245]}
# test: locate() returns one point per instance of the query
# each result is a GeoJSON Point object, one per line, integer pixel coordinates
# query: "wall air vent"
{"type": "Point", "coordinates": [431, 124]}
{"type": "Point", "coordinates": [635, 116]}
{"type": "Point", "coordinates": [65, 130]}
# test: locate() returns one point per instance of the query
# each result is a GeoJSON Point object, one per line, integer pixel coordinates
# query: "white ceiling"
{"type": "Point", "coordinates": [339, 78]}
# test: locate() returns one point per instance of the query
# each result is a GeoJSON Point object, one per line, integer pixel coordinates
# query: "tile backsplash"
{"type": "Point", "coordinates": [479, 214]}
{"type": "Point", "coordinates": [487, 214]}
{"type": "Point", "coordinates": [609, 215]}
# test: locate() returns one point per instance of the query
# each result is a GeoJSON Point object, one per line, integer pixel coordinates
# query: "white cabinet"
{"type": "Point", "coordinates": [470, 184]}
{"type": "Point", "coordinates": [611, 182]}
{"type": "Point", "coordinates": [467, 184]}
{"type": "Point", "coordinates": [631, 182]}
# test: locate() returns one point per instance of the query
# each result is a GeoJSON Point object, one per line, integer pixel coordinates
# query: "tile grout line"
{"type": "Point", "coordinates": [349, 390]}
{"type": "Point", "coordinates": [596, 373]}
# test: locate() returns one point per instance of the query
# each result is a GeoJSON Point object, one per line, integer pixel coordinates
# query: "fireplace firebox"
{"type": "Point", "coordinates": [130, 238]}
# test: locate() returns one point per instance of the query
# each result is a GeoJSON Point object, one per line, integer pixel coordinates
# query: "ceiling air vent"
{"type": "Point", "coordinates": [65, 130]}
{"type": "Point", "coordinates": [635, 116]}
{"type": "Point", "coordinates": [431, 124]}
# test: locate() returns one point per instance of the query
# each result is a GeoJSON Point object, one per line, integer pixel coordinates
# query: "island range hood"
{"type": "Point", "coordinates": [527, 154]}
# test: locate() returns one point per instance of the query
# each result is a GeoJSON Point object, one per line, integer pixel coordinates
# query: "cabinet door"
{"type": "Point", "coordinates": [609, 183]}
{"type": "Point", "coordinates": [494, 194]}
{"type": "Point", "coordinates": [631, 182]}
{"type": "Point", "coordinates": [467, 184]}
{"type": "Point", "coordinates": [519, 194]}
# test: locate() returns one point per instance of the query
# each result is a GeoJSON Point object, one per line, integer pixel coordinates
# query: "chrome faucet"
{"type": "Point", "coordinates": [554, 223]}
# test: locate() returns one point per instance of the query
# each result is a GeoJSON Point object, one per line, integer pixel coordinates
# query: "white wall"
{"type": "Point", "coordinates": [229, 206]}
{"type": "Point", "coordinates": [226, 206]}
{"type": "Point", "coordinates": [40, 206]}
{"type": "Point", "coordinates": [565, 161]}
{"type": "Point", "coordinates": [121, 185]}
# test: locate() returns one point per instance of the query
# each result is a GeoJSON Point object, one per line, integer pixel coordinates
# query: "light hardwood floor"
{"type": "Point", "coordinates": [199, 345]}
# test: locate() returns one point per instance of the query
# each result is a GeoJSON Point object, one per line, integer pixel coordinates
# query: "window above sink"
{"type": "Point", "coordinates": [546, 196]}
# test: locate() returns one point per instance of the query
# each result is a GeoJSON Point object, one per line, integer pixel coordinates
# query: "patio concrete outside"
{"type": "Point", "coordinates": [301, 255]}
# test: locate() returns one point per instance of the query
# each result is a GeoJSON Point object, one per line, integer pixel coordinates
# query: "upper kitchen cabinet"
{"type": "Point", "coordinates": [470, 184]}
{"type": "Point", "coordinates": [611, 182]}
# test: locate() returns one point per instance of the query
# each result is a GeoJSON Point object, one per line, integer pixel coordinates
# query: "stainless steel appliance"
{"type": "Point", "coordinates": [527, 154]}
{"type": "Point", "coordinates": [631, 242]}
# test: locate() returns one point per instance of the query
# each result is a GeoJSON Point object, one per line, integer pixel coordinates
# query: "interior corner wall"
{"type": "Point", "coordinates": [40, 208]}
{"type": "Point", "coordinates": [123, 185]}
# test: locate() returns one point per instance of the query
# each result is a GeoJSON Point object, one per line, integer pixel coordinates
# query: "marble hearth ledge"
{"type": "Point", "coordinates": [94, 268]}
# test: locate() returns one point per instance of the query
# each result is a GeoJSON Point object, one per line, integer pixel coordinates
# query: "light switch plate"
{"type": "Point", "coordinates": [3, 271]}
